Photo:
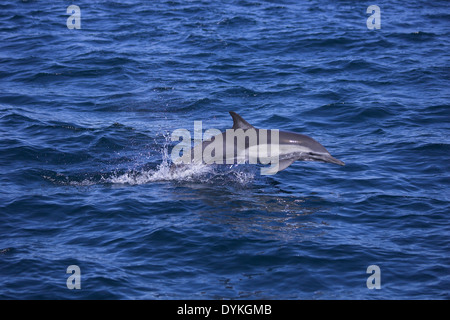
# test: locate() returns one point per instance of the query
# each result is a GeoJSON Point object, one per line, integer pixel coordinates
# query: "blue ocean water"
{"type": "Point", "coordinates": [85, 122]}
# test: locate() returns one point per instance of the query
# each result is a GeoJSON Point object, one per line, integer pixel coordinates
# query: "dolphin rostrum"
{"type": "Point", "coordinates": [244, 143]}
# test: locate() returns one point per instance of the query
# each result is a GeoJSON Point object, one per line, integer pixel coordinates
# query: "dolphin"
{"type": "Point", "coordinates": [244, 143]}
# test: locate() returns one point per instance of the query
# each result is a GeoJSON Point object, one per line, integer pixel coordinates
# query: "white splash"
{"type": "Point", "coordinates": [165, 171]}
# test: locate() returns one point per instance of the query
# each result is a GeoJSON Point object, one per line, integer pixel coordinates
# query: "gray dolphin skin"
{"type": "Point", "coordinates": [245, 141]}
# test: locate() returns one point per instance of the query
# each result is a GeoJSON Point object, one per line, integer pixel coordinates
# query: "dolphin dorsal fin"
{"type": "Point", "coordinates": [239, 122]}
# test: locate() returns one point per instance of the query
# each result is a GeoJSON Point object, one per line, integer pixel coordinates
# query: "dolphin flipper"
{"type": "Point", "coordinates": [283, 164]}
{"type": "Point", "coordinates": [273, 169]}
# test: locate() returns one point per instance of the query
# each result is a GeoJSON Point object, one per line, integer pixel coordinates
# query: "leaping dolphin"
{"type": "Point", "coordinates": [247, 144]}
